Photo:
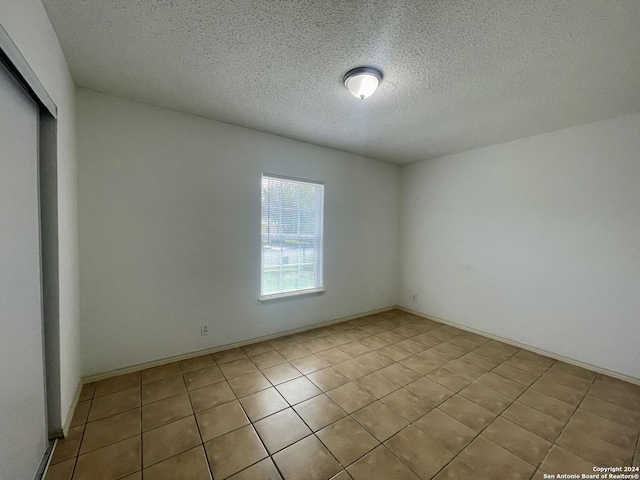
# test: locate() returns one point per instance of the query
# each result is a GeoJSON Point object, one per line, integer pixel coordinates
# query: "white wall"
{"type": "Point", "coordinates": [535, 240]}
{"type": "Point", "coordinates": [170, 226]}
{"type": "Point", "coordinates": [27, 24]}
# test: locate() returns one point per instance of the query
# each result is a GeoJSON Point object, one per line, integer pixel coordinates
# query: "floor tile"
{"type": "Point", "coordinates": [333, 356]}
{"type": "Point", "coordinates": [117, 384]}
{"type": "Point", "coordinates": [319, 411]}
{"type": "Point", "coordinates": [419, 364]}
{"type": "Point", "coordinates": [414, 365]}
{"type": "Point", "coordinates": [391, 337]}
{"type": "Point", "coordinates": [616, 391]}
{"type": "Point", "coordinates": [196, 363]}
{"type": "Point", "coordinates": [267, 359]}
{"type": "Point", "coordinates": [611, 432]}
{"type": "Point", "coordinates": [537, 422]}
{"type": "Point", "coordinates": [377, 384]}
{"type": "Point", "coordinates": [592, 448]}
{"type": "Point", "coordinates": [189, 465]}
{"type": "Point", "coordinates": [350, 397]}
{"type": "Point", "coordinates": [458, 470]}
{"type": "Point", "coordinates": [61, 471]}
{"type": "Point", "coordinates": [327, 379]}
{"type": "Point", "coordinates": [111, 430]}
{"type": "Point", "coordinates": [158, 373]}
{"type": "Point", "coordinates": [373, 342]}
{"type": "Point", "coordinates": [544, 403]}
{"type": "Point", "coordinates": [502, 385]}
{"type": "Point", "coordinates": [110, 463]}
{"type": "Point", "coordinates": [412, 346]}
{"type": "Point", "coordinates": [230, 355]}
{"type": "Point", "coordinates": [237, 368]}
{"type": "Point", "coordinates": [568, 380]}
{"type": "Point", "coordinates": [495, 462]}
{"type": "Point", "coordinates": [219, 420]}
{"type": "Point", "coordinates": [87, 391]}
{"type": "Point", "coordinates": [347, 440]}
{"type": "Point", "coordinates": [352, 369]}
{"type": "Point", "coordinates": [281, 429]}
{"type": "Point", "coordinates": [406, 404]}
{"type": "Point", "coordinates": [210, 396]}
{"type": "Point", "coordinates": [512, 373]}
{"type": "Point", "coordinates": [427, 340]}
{"type": "Point", "coordinates": [432, 392]}
{"type": "Point", "coordinates": [548, 386]}
{"type": "Point", "coordinates": [380, 464]}
{"type": "Point", "coordinates": [560, 460]}
{"type": "Point", "coordinates": [435, 357]}
{"type": "Point", "coordinates": [169, 440]}
{"type": "Point", "coordinates": [166, 411]}
{"type": "Point", "coordinates": [69, 446]}
{"type": "Point", "coordinates": [294, 351]}
{"type": "Point", "coordinates": [421, 453]}
{"type": "Point", "coordinates": [573, 370]}
{"type": "Point", "coordinates": [234, 452]}
{"type": "Point", "coordinates": [380, 420]}
{"type": "Point", "coordinates": [343, 475]}
{"type": "Point", "coordinates": [256, 348]}
{"type": "Point", "coordinates": [265, 402]}
{"type": "Point", "coordinates": [487, 398]}
{"type": "Point", "coordinates": [611, 411]}
{"type": "Point", "coordinates": [452, 351]}
{"type": "Point", "coordinates": [307, 459]}
{"type": "Point", "coordinates": [374, 360]}
{"type": "Point", "coordinates": [449, 379]}
{"type": "Point", "coordinates": [203, 377]}
{"type": "Point", "coordinates": [523, 443]}
{"type": "Point", "coordinates": [309, 364]}
{"type": "Point", "coordinates": [279, 342]}
{"type": "Point", "coordinates": [158, 390]}
{"type": "Point", "coordinates": [356, 333]}
{"type": "Point", "coordinates": [81, 413]}
{"type": "Point", "coordinates": [354, 349]}
{"type": "Point", "coordinates": [394, 352]}
{"type": "Point", "coordinates": [263, 470]}
{"type": "Point", "coordinates": [400, 374]}
{"type": "Point", "coordinates": [467, 370]}
{"type": "Point", "coordinates": [471, 414]}
{"type": "Point", "coordinates": [248, 384]}
{"type": "Point", "coordinates": [114, 403]}
{"type": "Point", "coordinates": [298, 390]}
{"type": "Point", "coordinates": [281, 373]}
{"type": "Point", "coordinates": [480, 361]}
{"type": "Point", "coordinates": [446, 430]}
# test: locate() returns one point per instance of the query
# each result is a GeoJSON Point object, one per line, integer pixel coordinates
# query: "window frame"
{"type": "Point", "coordinates": [319, 239]}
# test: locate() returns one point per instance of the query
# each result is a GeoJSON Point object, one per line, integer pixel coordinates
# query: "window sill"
{"type": "Point", "coordinates": [291, 295]}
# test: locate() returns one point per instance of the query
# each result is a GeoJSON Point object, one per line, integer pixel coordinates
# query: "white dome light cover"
{"type": "Point", "coordinates": [362, 81]}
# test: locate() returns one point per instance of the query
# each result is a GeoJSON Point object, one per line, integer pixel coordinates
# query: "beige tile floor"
{"type": "Point", "coordinates": [387, 396]}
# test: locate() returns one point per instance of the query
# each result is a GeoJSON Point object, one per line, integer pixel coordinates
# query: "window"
{"type": "Point", "coordinates": [291, 236]}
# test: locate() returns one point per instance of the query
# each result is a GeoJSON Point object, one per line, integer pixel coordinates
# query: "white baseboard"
{"type": "Point", "coordinates": [562, 358]}
{"type": "Point", "coordinates": [176, 358]}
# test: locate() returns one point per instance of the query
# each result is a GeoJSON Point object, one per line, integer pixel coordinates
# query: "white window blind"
{"type": "Point", "coordinates": [291, 227]}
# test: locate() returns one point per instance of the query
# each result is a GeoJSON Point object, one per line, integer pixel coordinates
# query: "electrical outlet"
{"type": "Point", "coordinates": [414, 298]}
{"type": "Point", "coordinates": [204, 329]}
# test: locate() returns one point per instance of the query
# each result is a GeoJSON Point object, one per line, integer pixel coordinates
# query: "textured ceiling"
{"type": "Point", "coordinates": [458, 74]}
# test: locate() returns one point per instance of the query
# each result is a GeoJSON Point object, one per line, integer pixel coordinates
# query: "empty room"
{"type": "Point", "coordinates": [319, 239]}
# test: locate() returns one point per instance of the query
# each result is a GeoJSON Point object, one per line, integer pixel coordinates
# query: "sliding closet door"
{"type": "Point", "coordinates": [23, 423]}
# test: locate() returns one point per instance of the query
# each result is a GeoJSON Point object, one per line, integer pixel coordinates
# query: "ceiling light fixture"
{"type": "Point", "coordinates": [362, 81]}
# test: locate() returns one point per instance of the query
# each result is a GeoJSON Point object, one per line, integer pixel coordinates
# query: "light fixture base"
{"type": "Point", "coordinates": [362, 81]}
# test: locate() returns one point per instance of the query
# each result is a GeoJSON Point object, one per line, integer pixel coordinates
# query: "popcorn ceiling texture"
{"type": "Point", "coordinates": [458, 74]}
